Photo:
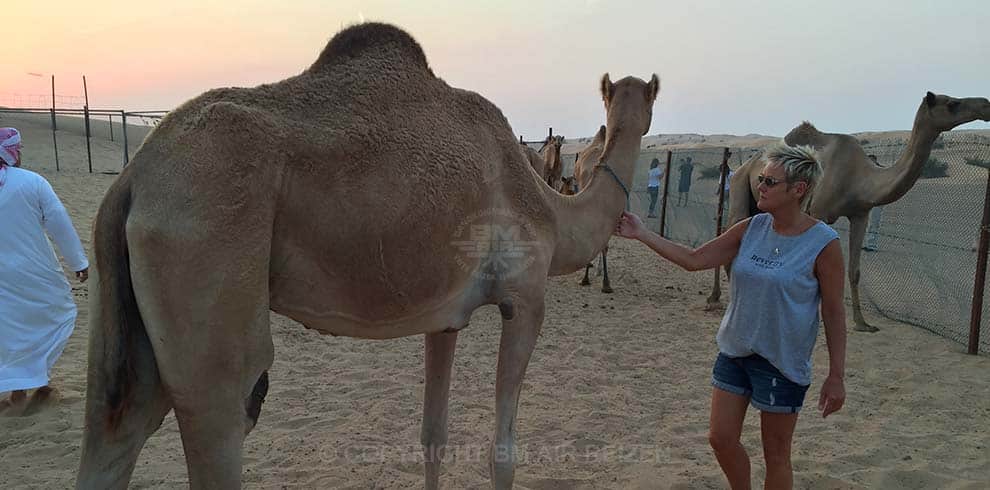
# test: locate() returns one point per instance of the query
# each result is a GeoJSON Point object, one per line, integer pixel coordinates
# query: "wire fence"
{"type": "Point", "coordinates": [8, 99]}
{"type": "Point", "coordinates": [921, 256]}
{"type": "Point", "coordinates": [923, 265]}
{"type": "Point", "coordinates": [109, 136]}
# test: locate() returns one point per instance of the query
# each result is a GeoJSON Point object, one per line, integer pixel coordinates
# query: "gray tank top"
{"type": "Point", "coordinates": [775, 297]}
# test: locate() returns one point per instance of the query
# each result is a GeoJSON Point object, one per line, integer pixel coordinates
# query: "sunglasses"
{"type": "Point", "coordinates": [768, 181]}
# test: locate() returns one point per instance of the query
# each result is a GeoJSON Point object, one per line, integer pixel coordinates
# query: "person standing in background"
{"type": "Point", "coordinates": [653, 186]}
{"type": "Point", "coordinates": [37, 313]}
{"type": "Point", "coordinates": [684, 181]}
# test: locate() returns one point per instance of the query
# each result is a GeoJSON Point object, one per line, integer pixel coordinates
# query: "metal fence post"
{"type": "Point", "coordinates": [89, 153]}
{"type": "Point", "coordinates": [723, 175]}
{"type": "Point", "coordinates": [55, 141]}
{"type": "Point", "coordinates": [976, 313]}
{"type": "Point", "coordinates": [666, 191]}
{"type": "Point", "coordinates": [123, 124]}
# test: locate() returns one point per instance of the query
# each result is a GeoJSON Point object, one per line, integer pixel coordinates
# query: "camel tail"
{"type": "Point", "coordinates": [119, 337]}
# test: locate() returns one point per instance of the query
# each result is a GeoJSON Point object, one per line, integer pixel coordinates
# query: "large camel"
{"type": "Point", "coordinates": [852, 184]}
{"type": "Point", "coordinates": [584, 170]}
{"type": "Point", "coordinates": [315, 197]}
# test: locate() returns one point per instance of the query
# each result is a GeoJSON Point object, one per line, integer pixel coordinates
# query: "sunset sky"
{"type": "Point", "coordinates": [726, 67]}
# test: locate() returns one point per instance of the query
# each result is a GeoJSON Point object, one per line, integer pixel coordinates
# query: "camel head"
{"type": "Point", "coordinates": [943, 112]}
{"type": "Point", "coordinates": [629, 103]}
{"type": "Point", "coordinates": [569, 187]}
{"type": "Point", "coordinates": [553, 144]}
{"type": "Point", "coordinates": [628, 107]}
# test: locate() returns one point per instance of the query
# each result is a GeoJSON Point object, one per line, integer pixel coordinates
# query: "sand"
{"type": "Point", "coordinates": [616, 396]}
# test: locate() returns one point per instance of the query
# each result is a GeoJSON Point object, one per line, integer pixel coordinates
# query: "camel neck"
{"type": "Point", "coordinates": [586, 221]}
{"type": "Point", "coordinates": [894, 182]}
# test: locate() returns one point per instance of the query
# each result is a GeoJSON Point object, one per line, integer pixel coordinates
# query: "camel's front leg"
{"type": "Point", "coordinates": [439, 359]}
{"type": "Point", "coordinates": [520, 327]}
{"type": "Point", "coordinates": [857, 230]}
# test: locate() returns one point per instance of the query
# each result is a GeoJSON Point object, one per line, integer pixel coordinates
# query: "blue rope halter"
{"type": "Point", "coordinates": [617, 181]}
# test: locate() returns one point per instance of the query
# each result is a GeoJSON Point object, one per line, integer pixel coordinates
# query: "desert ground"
{"type": "Point", "coordinates": [616, 395]}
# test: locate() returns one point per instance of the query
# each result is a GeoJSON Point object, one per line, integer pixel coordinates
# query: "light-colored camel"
{"type": "Point", "coordinates": [554, 166]}
{"type": "Point", "coordinates": [584, 170]}
{"type": "Point", "coordinates": [315, 197]}
{"type": "Point", "coordinates": [546, 162]}
{"type": "Point", "coordinates": [852, 184]}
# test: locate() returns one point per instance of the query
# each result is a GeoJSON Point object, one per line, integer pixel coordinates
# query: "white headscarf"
{"type": "Point", "coordinates": [10, 145]}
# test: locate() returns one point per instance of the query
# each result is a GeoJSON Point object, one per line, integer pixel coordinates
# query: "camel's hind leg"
{"type": "Point", "coordinates": [520, 328]}
{"type": "Point", "coordinates": [109, 453]}
{"type": "Point", "coordinates": [210, 332]}
{"type": "Point", "coordinates": [439, 360]}
{"type": "Point", "coordinates": [218, 379]}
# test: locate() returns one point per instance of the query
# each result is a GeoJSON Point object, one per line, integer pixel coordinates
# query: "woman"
{"type": "Point", "coordinates": [37, 313]}
{"type": "Point", "coordinates": [785, 264]}
{"type": "Point", "coordinates": [653, 186]}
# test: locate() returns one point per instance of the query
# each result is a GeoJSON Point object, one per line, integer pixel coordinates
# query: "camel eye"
{"type": "Point", "coordinates": [953, 106]}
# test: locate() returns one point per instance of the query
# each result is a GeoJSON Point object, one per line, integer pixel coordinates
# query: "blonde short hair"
{"type": "Point", "coordinates": [800, 164]}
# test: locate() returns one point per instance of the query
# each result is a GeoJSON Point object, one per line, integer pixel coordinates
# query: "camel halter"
{"type": "Point", "coordinates": [617, 181]}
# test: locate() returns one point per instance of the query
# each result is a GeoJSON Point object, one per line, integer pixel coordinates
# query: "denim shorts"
{"type": "Point", "coordinates": [754, 377]}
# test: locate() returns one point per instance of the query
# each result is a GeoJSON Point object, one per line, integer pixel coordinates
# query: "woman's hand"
{"type": "Point", "coordinates": [82, 275]}
{"type": "Point", "coordinates": [629, 226]}
{"type": "Point", "coordinates": [833, 396]}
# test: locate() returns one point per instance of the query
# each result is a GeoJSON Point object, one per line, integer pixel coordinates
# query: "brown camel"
{"type": "Point", "coordinates": [852, 183]}
{"type": "Point", "coordinates": [583, 172]}
{"type": "Point", "coordinates": [315, 197]}
{"type": "Point", "coordinates": [546, 162]}
{"type": "Point", "coordinates": [554, 166]}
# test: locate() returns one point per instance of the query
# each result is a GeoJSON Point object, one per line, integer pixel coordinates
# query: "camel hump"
{"type": "Point", "coordinates": [802, 134]}
{"type": "Point", "coordinates": [371, 39]}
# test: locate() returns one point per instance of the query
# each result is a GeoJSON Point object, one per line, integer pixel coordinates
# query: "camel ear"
{"type": "Point", "coordinates": [930, 99]}
{"type": "Point", "coordinates": [608, 88]}
{"type": "Point", "coordinates": [653, 88]}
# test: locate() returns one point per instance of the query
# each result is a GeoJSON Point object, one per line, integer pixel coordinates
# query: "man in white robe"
{"type": "Point", "coordinates": [37, 313]}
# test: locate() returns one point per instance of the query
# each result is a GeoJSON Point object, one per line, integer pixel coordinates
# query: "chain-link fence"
{"type": "Point", "coordinates": [923, 267]}
{"type": "Point", "coordinates": [66, 146]}
{"type": "Point", "coordinates": [921, 259]}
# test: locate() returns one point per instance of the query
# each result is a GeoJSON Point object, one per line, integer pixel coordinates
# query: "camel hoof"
{"type": "Point", "coordinates": [865, 327]}
{"type": "Point", "coordinates": [585, 282]}
{"type": "Point", "coordinates": [607, 289]}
